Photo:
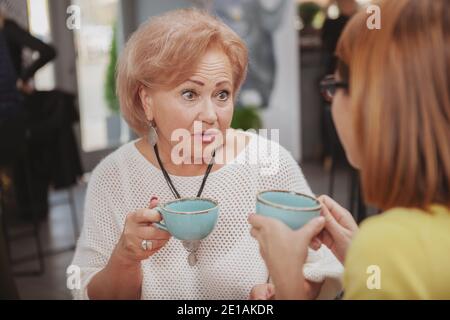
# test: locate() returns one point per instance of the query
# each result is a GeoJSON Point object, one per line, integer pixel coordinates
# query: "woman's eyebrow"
{"type": "Point", "coordinates": [198, 82]}
{"type": "Point", "coordinates": [222, 82]}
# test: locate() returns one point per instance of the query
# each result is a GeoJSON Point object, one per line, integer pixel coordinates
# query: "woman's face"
{"type": "Point", "coordinates": [205, 98]}
{"type": "Point", "coordinates": [343, 120]}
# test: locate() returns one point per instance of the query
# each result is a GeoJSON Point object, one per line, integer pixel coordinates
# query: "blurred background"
{"type": "Point", "coordinates": [75, 117]}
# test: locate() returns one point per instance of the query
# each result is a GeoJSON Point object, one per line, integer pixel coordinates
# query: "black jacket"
{"type": "Point", "coordinates": [52, 140]}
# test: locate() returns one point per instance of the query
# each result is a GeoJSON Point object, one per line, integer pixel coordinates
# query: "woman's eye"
{"type": "Point", "coordinates": [223, 95]}
{"type": "Point", "coordinates": [189, 95]}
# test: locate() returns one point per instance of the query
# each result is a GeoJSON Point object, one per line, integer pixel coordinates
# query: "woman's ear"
{"type": "Point", "coordinates": [146, 102]}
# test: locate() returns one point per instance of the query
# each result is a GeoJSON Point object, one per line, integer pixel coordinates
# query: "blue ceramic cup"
{"type": "Point", "coordinates": [189, 218]}
{"type": "Point", "coordinates": [292, 208]}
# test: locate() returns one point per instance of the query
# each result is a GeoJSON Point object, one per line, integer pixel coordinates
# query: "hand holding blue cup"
{"type": "Point", "coordinates": [189, 218]}
{"type": "Point", "coordinates": [293, 208]}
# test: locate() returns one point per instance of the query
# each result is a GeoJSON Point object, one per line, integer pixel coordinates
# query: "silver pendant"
{"type": "Point", "coordinates": [191, 246]}
{"type": "Point", "coordinates": [192, 259]}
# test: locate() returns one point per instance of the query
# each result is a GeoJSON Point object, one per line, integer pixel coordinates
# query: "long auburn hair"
{"type": "Point", "coordinates": [400, 97]}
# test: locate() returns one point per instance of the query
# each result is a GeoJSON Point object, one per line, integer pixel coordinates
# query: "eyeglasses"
{"type": "Point", "coordinates": [329, 85]}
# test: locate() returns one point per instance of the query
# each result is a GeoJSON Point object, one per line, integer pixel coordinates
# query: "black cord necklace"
{"type": "Point", "coordinates": [169, 180]}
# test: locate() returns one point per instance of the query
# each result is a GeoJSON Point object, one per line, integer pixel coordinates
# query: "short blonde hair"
{"type": "Point", "coordinates": [163, 53]}
{"type": "Point", "coordinates": [400, 95]}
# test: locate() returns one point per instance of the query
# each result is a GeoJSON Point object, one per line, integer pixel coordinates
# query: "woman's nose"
{"type": "Point", "coordinates": [208, 112]}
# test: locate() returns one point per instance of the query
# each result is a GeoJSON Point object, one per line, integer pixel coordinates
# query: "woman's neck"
{"type": "Point", "coordinates": [196, 168]}
{"type": "Point", "coordinates": [193, 167]}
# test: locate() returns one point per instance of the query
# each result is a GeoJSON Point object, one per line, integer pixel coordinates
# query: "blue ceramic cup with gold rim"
{"type": "Point", "coordinates": [293, 208]}
{"type": "Point", "coordinates": [189, 218]}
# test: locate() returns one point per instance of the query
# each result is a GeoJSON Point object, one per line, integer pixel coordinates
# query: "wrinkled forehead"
{"type": "Point", "coordinates": [212, 68]}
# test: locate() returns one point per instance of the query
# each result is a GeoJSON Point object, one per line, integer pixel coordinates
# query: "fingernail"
{"type": "Point", "coordinates": [320, 219]}
{"type": "Point", "coordinates": [153, 198]}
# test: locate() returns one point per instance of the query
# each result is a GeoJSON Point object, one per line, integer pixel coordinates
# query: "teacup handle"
{"type": "Point", "coordinates": [159, 225]}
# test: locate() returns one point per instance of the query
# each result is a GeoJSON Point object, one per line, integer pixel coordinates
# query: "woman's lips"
{"type": "Point", "coordinates": [206, 137]}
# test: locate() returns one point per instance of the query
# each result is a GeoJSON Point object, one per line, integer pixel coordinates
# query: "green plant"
{"type": "Point", "coordinates": [110, 81]}
{"type": "Point", "coordinates": [246, 118]}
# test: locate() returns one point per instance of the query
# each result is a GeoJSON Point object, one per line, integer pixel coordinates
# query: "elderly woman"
{"type": "Point", "coordinates": [177, 71]}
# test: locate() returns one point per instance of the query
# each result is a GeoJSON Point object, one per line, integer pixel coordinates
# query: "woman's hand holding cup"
{"type": "Point", "coordinates": [340, 228]}
{"type": "Point", "coordinates": [140, 238]}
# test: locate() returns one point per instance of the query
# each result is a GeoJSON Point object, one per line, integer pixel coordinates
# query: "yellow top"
{"type": "Point", "coordinates": [400, 254]}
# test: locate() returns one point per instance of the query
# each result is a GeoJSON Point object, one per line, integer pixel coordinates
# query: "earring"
{"type": "Point", "coordinates": [152, 134]}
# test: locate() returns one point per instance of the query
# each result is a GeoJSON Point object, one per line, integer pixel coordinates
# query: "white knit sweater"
{"type": "Point", "coordinates": [229, 263]}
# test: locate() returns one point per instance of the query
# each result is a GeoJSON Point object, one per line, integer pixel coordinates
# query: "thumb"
{"type": "Point", "coordinates": [154, 201]}
{"type": "Point", "coordinates": [312, 228]}
{"type": "Point", "coordinates": [332, 226]}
